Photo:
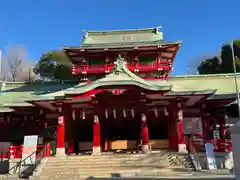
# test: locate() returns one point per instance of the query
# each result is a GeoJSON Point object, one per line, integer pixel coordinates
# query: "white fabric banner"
{"type": "Point", "coordinates": [29, 148]}
{"type": "Point", "coordinates": [210, 156]}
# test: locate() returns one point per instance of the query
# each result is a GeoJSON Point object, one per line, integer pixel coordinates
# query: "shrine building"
{"type": "Point", "coordinates": [124, 98]}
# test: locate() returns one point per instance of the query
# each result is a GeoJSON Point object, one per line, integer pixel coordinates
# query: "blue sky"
{"type": "Point", "coordinates": [203, 25]}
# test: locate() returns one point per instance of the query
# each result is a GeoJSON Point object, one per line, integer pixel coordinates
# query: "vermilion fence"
{"type": "Point", "coordinates": [44, 150]}
{"type": "Point", "coordinates": [218, 145]}
{"type": "Point", "coordinates": [13, 152]}
{"type": "Point", "coordinates": [100, 68]}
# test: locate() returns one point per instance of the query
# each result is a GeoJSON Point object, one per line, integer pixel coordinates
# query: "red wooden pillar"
{"type": "Point", "coordinates": [172, 128]}
{"type": "Point", "coordinates": [144, 134]}
{"type": "Point", "coordinates": [222, 122]}
{"type": "Point", "coordinates": [180, 128]}
{"type": "Point", "coordinates": [3, 128]}
{"type": "Point", "coordinates": [204, 122]}
{"type": "Point", "coordinates": [61, 136]}
{"type": "Point", "coordinates": [70, 134]}
{"type": "Point", "coordinates": [96, 136]}
{"type": "Point", "coordinates": [176, 128]}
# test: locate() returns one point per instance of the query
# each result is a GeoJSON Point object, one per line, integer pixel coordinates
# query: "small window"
{"type": "Point", "coordinates": [145, 60]}
{"type": "Point", "coordinates": [96, 61]}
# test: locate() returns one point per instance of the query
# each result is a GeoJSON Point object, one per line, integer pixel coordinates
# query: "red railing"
{"type": "Point", "coordinates": [105, 68]}
{"type": "Point", "coordinates": [14, 152]}
{"type": "Point", "coordinates": [219, 145]}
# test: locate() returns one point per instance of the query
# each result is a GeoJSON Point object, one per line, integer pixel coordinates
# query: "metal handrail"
{"type": "Point", "coordinates": [22, 162]}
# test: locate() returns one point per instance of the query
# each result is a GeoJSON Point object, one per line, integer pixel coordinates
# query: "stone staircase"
{"type": "Point", "coordinates": [115, 165]}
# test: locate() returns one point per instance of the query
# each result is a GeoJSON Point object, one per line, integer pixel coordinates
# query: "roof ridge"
{"type": "Point", "coordinates": [122, 30]}
{"type": "Point", "coordinates": [204, 76]}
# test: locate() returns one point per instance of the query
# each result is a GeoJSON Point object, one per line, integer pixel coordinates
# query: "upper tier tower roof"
{"type": "Point", "coordinates": [122, 36]}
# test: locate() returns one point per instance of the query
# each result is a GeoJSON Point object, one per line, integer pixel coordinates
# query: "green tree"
{"type": "Point", "coordinates": [210, 66]}
{"type": "Point", "coordinates": [224, 63]}
{"type": "Point", "coordinates": [55, 65]}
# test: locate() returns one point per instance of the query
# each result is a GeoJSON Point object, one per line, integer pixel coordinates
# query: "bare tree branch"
{"type": "Point", "coordinates": [17, 66]}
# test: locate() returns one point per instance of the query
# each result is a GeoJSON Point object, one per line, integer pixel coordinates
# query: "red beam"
{"type": "Point", "coordinates": [77, 69]}
{"type": "Point", "coordinates": [140, 48]}
{"type": "Point", "coordinates": [87, 94]}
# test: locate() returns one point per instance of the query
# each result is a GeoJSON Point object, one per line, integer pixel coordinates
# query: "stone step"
{"type": "Point", "coordinates": [112, 165]}
{"type": "Point", "coordinates": [63, 166]}
{"type": "Point", "coordinates": [78, 172]}
{"type": "Point", "coordinates": [111, 159]}
{"type": "Point", "coordinates": [156, 161]}
{"type": "Point", "coordinates": [107, 169]}
{"type": "Point", "coordinates": [115, 156]}
{"type": "Point", "coordinates": [107, 157]}
{"type": "Point", "coordinates": [114, 160]}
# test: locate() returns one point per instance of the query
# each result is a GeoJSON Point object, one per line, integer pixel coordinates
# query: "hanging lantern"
{"type": "Point", "coordinates": [106, 113]}
{"type": "Point", "coordinates": [156, 112]}
{"type": "Point", "coordinates": [96, 119]}
{"type": "Point", "coordinates": [144, 118]}
{"type": "Point", "coordinates": [114, 113]}
{"type": "Point", "coordinates": [166, 112]}
{"type": "Point", "coordinates": [45, 125]}
{"type": "Point", "coordinates": [73, 115]}
{"type": "Point", "coordinates": [124, 113]}
{"type": "Point", "coordinates": [41, 111]}
{"type": "Point", "coordinates": [83, 114]}
{"type": "Point", "coordinates": [60, 109]}
{"type": "Point", "coordinates": [133, 113]}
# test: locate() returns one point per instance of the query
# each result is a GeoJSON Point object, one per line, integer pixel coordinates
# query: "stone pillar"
{"type": "Point", "coordinates": [144, 134]}
{"type": "Point", "coordinates": [61, 137]}
{"type": "Point", "coordinates": [180, 128]}
{"type": "Point", "coordinates": [96, 136]}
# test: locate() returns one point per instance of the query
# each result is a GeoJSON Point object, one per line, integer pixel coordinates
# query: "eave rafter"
{"type": "Point", "coordinates": [73, 52]}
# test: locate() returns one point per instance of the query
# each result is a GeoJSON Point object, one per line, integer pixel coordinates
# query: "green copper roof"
{"type": "Point", "coordinates": [122, 36]}
{"type": "Point", "coordinates": [223, 83]}
{"type": "Point", "coordinates": [16, 94]}
{"type": "Point", "coordinates": [4, 110]}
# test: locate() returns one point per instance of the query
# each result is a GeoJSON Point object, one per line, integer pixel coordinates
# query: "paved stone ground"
{"type": "Point", "coordinates": [217, 175]}
{"type": "Point", "coordinates": [209, 177]}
